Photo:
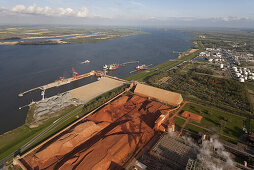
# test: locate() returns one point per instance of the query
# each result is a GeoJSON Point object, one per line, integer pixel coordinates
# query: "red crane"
{"type": "Point", "coordinates": [74, 73]}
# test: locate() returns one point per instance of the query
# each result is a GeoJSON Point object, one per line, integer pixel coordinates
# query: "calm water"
{"type": "Point", "coordinates": [26, 67]}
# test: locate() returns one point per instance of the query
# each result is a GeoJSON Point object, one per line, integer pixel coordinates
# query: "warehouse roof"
{"type": "Point", "coordinates": [171, 98]}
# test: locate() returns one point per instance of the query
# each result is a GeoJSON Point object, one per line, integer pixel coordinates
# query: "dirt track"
{"type": "Point", "coordinates": [104, 140]}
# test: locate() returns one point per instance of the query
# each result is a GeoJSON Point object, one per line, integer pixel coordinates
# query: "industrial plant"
{"type": "Point", "coordinates": [135, 130]}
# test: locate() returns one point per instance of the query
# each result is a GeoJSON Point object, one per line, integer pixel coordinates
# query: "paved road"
{"type": "Point", "coordinates": [35, 139]}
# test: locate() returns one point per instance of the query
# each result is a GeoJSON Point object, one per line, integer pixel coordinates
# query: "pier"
{"type": "Point", "coordinates": [130, 62]}
{"type": "Point", "coordinates": [72, 79]}
{"type": "Point", "coordinates": [28, 91]}
{"type": "Point", "coordinates": [59, 83]}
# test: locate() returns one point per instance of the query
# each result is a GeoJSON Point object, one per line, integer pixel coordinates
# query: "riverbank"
{"type": "Point", "coordinates": [142, 47]}
{"type": "Point", "coordinates": [186, 56]}
{"type": "Point", "coordinates": [94, 35]}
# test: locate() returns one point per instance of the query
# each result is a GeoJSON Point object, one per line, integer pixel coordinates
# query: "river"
{"type": "Point", "coordinates": [29, 66]}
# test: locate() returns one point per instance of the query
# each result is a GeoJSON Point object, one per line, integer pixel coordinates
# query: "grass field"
{"type": "Point", "coordinates": [219, 121]}
{"type": "Point", "coordinates": [12, 140]}
{"type": "Point", "coordinates": [250, 85]}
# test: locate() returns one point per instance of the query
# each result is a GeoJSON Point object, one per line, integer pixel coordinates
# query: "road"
{"type": "Point", "coordinates": [43, 133]}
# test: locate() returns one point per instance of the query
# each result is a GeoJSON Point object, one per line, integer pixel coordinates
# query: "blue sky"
{"type": "Point", "coordinates": [132, 11]}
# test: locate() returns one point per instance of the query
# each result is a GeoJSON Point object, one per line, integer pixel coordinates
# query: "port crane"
{"type": "Point", "coordinates": [74, 74]}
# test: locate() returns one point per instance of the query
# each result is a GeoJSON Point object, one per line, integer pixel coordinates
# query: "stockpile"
{"type": "Point", "coordinates": [52, 104]}
{"type": "Point", "coordinates": [115, 132]}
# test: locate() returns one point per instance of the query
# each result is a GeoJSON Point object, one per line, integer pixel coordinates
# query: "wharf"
{"type": "Point", "coordinates": [59, 83]}
{"type": "Point", "coordinates": [130, 62]}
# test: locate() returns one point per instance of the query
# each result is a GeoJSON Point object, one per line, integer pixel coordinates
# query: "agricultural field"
{"type": "Point", "coordinates": [7, 33]}
{"type": "Point", "coordinates": [18, 33]}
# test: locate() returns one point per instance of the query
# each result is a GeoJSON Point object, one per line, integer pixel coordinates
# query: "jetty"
{"type": "Point", "coordinates": [61, 82]}
{"type": "Point", "coordinates": [130, 62]}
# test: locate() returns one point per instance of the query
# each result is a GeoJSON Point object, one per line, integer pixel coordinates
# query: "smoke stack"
{"type": "Point", "coordinates": [211, 139]}
{"type": "Point", "coordinates": [173, 128]}
{"type": "Point", "coordinates": [204, 137]}
{"type": "Point", "coordinates": [245, 164]}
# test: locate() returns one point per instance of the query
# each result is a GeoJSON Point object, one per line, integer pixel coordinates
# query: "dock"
{"type": "Point", "coordinates": [130, 62]}
{"type": "Point", "coordinates": [59, 83]}
{"type": "Point", "coordinates": [69, 80]}
{"type": "Point", "coordinates": [28, 91]}
{"type": "Point", "coordinates": [147, 67]}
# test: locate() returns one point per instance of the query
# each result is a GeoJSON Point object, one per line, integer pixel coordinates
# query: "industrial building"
{"type": "Point", "coordinates": [168, 97]}
{"type": "Point", "coordinates": [170, 152]}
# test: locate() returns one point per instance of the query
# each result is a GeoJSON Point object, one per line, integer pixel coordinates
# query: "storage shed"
{"type": "Point", "coordinates": [168, 97]}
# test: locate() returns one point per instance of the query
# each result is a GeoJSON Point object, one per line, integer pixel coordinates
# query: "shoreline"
{"type": "Point", "coordinates": [55, 41]}
{"type": "Point", "coordinates": [175, 60]}
{"type": "Point", "coordinates": [16, 129]}
{"type": "Point", "coordinates": [187, 55]}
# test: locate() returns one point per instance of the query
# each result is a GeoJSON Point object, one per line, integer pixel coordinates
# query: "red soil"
{"type": "Point", "coordinates": [105, 140]}
{"type": "Point", "coordinates": [192, 116]}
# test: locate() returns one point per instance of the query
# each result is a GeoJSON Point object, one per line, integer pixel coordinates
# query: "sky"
{"type": "Point", "coordinates": [207, 13]}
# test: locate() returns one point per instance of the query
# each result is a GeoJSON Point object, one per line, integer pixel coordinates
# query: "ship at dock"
{"type": "Point", "coordinates": [111, 67]}
{"type": "Point", "coordinates": [142, 67]}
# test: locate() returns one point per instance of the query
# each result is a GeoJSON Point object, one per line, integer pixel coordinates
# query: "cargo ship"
{"type": "Point", "coordinates": [111, 67]}
{"type": "Point", "coordinates": [142, 67]}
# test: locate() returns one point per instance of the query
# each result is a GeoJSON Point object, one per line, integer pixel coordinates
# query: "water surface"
{"type": "Point", "coordinates": [29, 66]}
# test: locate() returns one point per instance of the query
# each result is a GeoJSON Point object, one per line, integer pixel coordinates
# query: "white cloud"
{"type": "Point", "coordinates": [137, 3]}
{"type": "Point", "coordinates": [46, 11]}
{"type": "Point", "coordinates": [232, 19]}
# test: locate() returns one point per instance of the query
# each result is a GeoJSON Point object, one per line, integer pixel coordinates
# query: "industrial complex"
{"type": "Point", "coordinates": [135, 130]}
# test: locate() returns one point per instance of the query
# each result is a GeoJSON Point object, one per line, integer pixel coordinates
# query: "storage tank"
{"type": "Point", "coordinates": [241, 80]}
{"type": "Point", "coordinates": [238, 74]}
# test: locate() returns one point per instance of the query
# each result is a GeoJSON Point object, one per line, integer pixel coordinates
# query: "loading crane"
{"type": "Point", "coordinates": [74, 74]}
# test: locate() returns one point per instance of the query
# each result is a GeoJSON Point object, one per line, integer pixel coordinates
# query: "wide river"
{"type": "Point", "coordinates": [29, 66]}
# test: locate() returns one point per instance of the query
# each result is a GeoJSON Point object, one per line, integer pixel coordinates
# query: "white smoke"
{"type": "Point", "coordinates": [46, 11]}
{"type": "Point", "coordinates": [212, 154]}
